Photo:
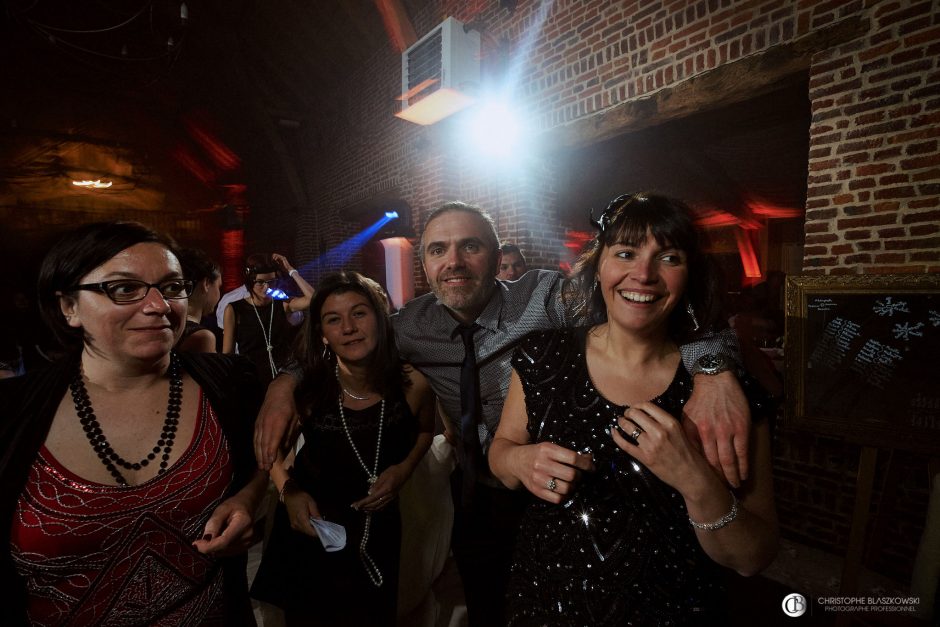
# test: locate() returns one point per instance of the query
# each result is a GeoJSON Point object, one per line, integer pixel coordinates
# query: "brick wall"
{"type": "Point", "coordinates": [874, 162]}
{"type": "Point", "coordinates": [873, 166]}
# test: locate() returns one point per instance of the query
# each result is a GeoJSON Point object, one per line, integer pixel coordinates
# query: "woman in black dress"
{"type": "Point", "coordinates": [629, 524]}
{"type": "Point", "coordinates": [367, 421]}
{"type": "Point", "coordinates": [257, 326]}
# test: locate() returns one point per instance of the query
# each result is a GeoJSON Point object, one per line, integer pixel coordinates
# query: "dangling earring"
{"type": "Point", "coordinates": [327, 353]}
{"type": "Point", "coordinates": [691, 312]}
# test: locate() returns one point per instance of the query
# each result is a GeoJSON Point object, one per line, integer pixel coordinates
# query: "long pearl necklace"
{"type": "Point", "coordinates": [347, 392]}
{"type": "Point", "coordinates": [99, 442]}
{"type": "Point", "coordinates": [372, 569]}
{"type": "Point", "coordinates": [267, 336]}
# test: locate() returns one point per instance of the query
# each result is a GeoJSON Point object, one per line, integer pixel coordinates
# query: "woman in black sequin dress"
{"type": "Point", "coordinates": [367, 422]}
{"type": "Point", "coordinates": [593, 428]}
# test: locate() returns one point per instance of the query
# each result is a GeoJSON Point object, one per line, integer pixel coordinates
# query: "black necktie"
{"type": "Point", "coordinates": [471, 454]}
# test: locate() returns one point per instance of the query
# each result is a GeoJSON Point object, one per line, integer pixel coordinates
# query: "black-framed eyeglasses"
{"type": "Point", "coordinates": [264, 282]}
{"type": "Point", "coordinates": [123, 291]}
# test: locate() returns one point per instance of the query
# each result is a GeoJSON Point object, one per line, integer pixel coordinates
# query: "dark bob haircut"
{"type": "Point", "coordinates": [259, 263]}
{"type": "Point", "coordinates": [627, 220]}
{"type": "Point", "coordinates": [384, 369]}
{"type": "Point", "coordinates": [79, 252]}
{"type": "Point", "coordinates": [197, 265]}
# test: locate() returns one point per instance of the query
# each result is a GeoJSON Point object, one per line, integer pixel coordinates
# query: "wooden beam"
{"type": "Point", "coordinates": [735, 82]}
{"type": "Point", "coordinates": [397, 24]}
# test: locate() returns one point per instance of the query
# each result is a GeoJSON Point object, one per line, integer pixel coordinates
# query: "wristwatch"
{"type": "Point", "coordinates": [712, 363]}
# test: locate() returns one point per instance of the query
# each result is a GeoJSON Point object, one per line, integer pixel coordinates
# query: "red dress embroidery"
{"type": "Point", "coordinates": [94, 554]}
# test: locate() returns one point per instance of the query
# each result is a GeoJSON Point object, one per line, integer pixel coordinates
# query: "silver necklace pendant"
{"type": "Point", "coordinates": [268, 337]}
{"type": "Point", "coordinates": [347, 392]}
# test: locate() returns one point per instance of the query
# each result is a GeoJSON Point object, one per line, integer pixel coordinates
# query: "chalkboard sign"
{"type": "Point", "coordinates": [862, 358]}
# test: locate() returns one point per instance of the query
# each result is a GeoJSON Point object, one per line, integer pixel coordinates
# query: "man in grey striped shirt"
{"type": "Point", "coordinates": [460, 255]}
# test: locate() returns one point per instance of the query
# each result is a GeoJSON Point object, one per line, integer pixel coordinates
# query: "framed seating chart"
{"type": "Point", "coordinates": [863, 358]}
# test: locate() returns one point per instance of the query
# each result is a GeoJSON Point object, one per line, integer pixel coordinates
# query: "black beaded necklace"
{"type": "Point", "coordinates": [99, 442]}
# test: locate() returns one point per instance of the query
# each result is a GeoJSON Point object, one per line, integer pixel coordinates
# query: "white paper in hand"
{"type": "Point", "coordinates": [332, 536]}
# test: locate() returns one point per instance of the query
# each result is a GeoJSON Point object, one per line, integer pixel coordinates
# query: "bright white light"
{"type": "Point", "coordinates": [391, 215]}
{"type": "Point", "coordinates": [494, 129]}
{"type": "Point", "coordinates": [92, 184]}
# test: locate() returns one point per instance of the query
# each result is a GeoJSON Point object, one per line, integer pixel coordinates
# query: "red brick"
{"type": "Point", "coordinates": [923, 216]}
{"type": "Point", "coordinates": [862, 183]}
{"type": "Point", "coordinates": [878, 219]}
{"type": "Point", "coordinates": [889, 258]}
{"type": "Point", "coordinates": [910, 244]}
{"type": "Point", "coordinates": [842, 249]}
{"type": "Point", "coordinates": [859, 258]}
{"type": "Point", "coordinates": [894, 179]}
{"type": "Point", "coordinates": [889, 233]}
{"type": "Point", "coordinates": [922, 37]}
{"type": "Point", "coordinates": [821, 214]}
{"type": "Point", "coordinates": [921, 148]}
{"type": "Point", "coordinates": [924, 229]}
{"type": "Point", "coordinates": [885, 269]}
{"type": "Point", "coordinates": [858, 157]}
{"type": "Point", "coordinates": [876, 245]}
{"type": "Point", "coordinates": [856, 235]}
{"type": "Point", "coordinates": [894, 192]}
{"type": "Point", "coordinates": [874, 168]}
{"type": "Point", "coordinates": [888, 153]}
{"type": "Point", "coordinates": [817, 227]}
{"type": "Point", "coordinates": [815, 250]}
{"type": "Point", "coordinates": [822, 238]}
{"type": "Point", "coordinates": [823, 165]}
{"type": "Point", "coordinates": [887, 206]}
{"type": "Point", "coordinates": [928, 175]}
{"type": "Point", "coordinates": [932, 255]}
{"type": "Point", "coordinates": [879, 52]}
{"type": "Point", "coordinates": [825, 190]}
{"type": "Point", "coordinates": [921, 162]}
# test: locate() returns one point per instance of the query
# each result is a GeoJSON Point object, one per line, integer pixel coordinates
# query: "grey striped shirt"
{"type": "Point", "coordinates": [428, 339]}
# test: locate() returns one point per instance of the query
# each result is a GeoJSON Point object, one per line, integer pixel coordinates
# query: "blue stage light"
{"type": "Point", "coordinates": [277, 294]}
{"type": "Point", "coordinates": [391, 215]}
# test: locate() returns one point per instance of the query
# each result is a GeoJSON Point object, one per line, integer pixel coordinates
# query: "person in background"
{"type": "Point", "coordinates": [199, 268]}
{"type": "Point", "coordinates": [258, 324]}
{"type": "Point", "coordinates": [231, 296]}
{"type": "Point", "coordinates": [512, 264]}
{"type": "Point", "coordinates": [627, 523]}
{"type": "Point", "coordinates": [127, 479]}
{"type": "Point", "coordinates": [368, 421]}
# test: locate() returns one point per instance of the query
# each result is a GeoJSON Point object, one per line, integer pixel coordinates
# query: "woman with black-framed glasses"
{"type": "Point", "coordinates": [127, 478]}
{"type": "Point", "coordinates": [257, 326]}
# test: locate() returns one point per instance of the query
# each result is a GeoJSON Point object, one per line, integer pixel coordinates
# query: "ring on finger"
{"type": "Point", "coordinates": [636, 433]}
{"type": "Point", "coordinates": [552, 484]}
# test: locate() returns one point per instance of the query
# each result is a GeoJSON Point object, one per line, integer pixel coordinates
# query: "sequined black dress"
{"type": "Point", "coordinates": [621, 550]}
{"type": "Point", "coordinates": [296, 573]}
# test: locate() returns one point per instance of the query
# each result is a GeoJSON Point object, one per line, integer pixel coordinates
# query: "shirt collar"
{"type": "Point", "coordinates": [488, 319]}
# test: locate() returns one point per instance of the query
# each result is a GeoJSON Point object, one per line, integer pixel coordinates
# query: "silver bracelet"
{"type": "Point", "coordinates": [721, 522]}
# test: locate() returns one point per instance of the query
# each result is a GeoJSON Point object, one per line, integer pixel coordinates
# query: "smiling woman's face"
{"type": "Point", "coordinates": [144, 330]}
{"type": "Point", "coordinates": [350, 326]}
{"type": "Point", "coordinates": [642, 284]}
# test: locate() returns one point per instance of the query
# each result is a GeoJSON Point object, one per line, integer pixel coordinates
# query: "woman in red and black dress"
{"type": "Point", "coordinates": [127, 481]}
